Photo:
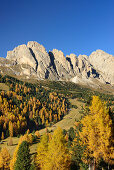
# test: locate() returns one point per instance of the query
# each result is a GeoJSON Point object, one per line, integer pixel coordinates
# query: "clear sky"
{"type": "Point", "coordinates": [73, 26]}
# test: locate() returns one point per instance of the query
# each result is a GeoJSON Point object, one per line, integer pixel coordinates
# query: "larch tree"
{"type": "Point", "coordinates": [96, 132]}
{"type": "Point", "coordinates": [11, 129]}
{"type": "Point", "coordinates": [2, 136]}
{"type": "Point", "coordinates": [1, 161]}
{"type": "Point", "coordinates": [42, 152]}
{"type": "Point", "coordinates": [6, 158]}
{"type": "Point", "coordinates": [57, 156]}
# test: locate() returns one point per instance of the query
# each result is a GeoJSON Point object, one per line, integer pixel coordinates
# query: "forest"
{"type": "Point", "coordinates": [25, 108]}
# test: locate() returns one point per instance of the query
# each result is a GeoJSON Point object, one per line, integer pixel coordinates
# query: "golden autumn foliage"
{"type": "Point", "coordinates": [42, 151]}
{"type": "Point", "coordinates": [11, 129]}
{"type": "Point", "coordinates": [37, 134]}
{"type": "Point", "coordinates": [23, 100]}
{"type": "Point", "coordinates": [96, 132]}
{"type": "Point", "coordinates": [53, 153]}
{"type": "Point", "coordinates": [4, 158]}
{"type": "Point", "coordinates": [2, 136]}
{"type": "Point", "coordinates": [1, 161]}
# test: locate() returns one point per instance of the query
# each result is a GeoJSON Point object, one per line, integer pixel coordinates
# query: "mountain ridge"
{"type": "Point", "coordinates": [32, 60]}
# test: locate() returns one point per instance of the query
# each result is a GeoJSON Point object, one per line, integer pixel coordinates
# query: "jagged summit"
{"type": "Point", "coordinates": [32, 60]}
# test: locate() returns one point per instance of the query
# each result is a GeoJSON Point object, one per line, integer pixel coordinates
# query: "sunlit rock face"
{"type": "Point", "coordinates": [21, 55]}
{"type": "Point", "coordinates": [104, 63]}
{"type": "Point", "coordinates": [33, 60]}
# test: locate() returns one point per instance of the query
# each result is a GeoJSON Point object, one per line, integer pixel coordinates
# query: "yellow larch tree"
{"type": "Point", "coordinates": [1, 161]}
{"type": "Point", "coordinates": [40, 159]}
{"type": "Point", "coordinates": [6, 158]}
{"type": "Point", "coordinates": [57, 155]}
{"type": "Point", "coordinates": [96, 132]}
{"type": "Point", "coordinates": [37, 134]}
{"type": "Point", "coordinates": [2, 136]}
{"type": "Point", "coordinates": [11, 129]}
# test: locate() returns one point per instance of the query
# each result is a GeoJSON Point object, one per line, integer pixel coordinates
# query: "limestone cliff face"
{"type": "Point", "coordinates": [32, 60]}
{"type": "Point", "coordinates": [20, 55]}
{"type": "Point", "coordinates": [104, 63]}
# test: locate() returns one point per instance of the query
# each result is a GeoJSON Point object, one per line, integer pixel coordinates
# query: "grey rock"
{"type": "Point", "coordinates": [21, 55]}
{"type": "Point", "coordinates": [104, 63]}
{"type": "Point", "coordinates": [32, 60]}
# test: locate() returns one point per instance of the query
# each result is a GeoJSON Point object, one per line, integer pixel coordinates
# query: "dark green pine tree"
{"type": "Point", "coordinates": [23, 161]}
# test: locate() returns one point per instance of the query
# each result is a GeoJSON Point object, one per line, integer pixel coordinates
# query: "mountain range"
{"type": "Point", "coordinates": [32, 61]}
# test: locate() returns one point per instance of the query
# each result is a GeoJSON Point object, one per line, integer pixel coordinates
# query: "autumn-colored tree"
{"type": "Point", "coordinates": [4, 126]}
{"type": "Point", "coordinates": [1, 162]}
{"type": "Point", "coordinates": [6, 158]}
{"type": "Point", "coordinates": [96, 132]}
{"type": "Point", "coordinates": [30, 138]}
{"type": "Point", "coordinates": [1, 99]}
{"type": "Point", "coordinates": [28, 131]}
{"type": "Point", "coordinates": [37, 134]}
{"type": "Point", "coordinates": [11, 129]}
{"type": "Point", "coordinates": [42, 152]}
{"type": "Point", "coordinates": [10, 142]}
{"type": "Point", "coordinates": [58, 156]}
{"type": "Point", "coordinates": [53, 153]}
{"type": "Point", "coordinates": [47, 122]}
{"type": "Point", "coordinates": [2, 136]}
{"type": "Point", "coordinates": [43, 119]}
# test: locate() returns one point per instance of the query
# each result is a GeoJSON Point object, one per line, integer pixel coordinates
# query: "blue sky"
{"type": "Point", "coordinates": [73, 26]}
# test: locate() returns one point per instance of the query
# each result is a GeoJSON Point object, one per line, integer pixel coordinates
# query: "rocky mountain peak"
{"type": "Point", "coordinates": [104, 63]}
{"type": "Point", "coordinates": [32, 60]}
{"type": "Point", "coordinates": [35, 45]}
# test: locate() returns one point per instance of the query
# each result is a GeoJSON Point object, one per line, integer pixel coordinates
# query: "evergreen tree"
{"type": "Point", "coordinates": [23, 161]}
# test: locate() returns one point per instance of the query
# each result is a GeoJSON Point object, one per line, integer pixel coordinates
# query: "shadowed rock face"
{"type": "Point", "coordinates": [33, 60]}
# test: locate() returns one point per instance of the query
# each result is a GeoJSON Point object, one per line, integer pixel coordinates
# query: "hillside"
{"type": "Point", "coordinates": [31, 109]}
{"type": "Point", "coordinates": [66, 123]}
{"type": "Point", "coordinates": [34, 106]}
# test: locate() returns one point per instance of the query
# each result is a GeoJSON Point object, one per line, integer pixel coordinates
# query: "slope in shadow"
{"type": "Point", "coordinates": [34, 58]}
{"type": "Point", "coordinates": [46, 74]}
{"type": "Point", "coordinates": [69, 60]}
{"type": "Point", "coordinates": [95, 73]}
{"type": "Point", "coordinates": [52, 61]}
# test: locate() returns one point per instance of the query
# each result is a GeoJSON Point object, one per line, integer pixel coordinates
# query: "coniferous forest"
{"type": "Point", "coordinates": [26, 108]}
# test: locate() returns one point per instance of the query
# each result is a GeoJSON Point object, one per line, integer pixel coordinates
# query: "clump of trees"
{"type": "Point", "coordinates": [52, 152]}
{"type": "Point", "coordinates": [30, 106]}
{"type": "Point", "coordinates": [4, 159]}
{"type": "Point", "coordinates": [96, 133]}
{"type": "Point", "coordinates": [93, 141]}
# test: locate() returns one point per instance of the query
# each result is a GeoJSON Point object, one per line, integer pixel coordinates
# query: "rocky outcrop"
{"type": "Point", "coordinates": [61, 64]}
{"type": "Point", "coordinates": [32, 60]}
{"type": "Point", "coordinates": [21, 55]}
{"type": "Point", "coordinates": [104, 63]}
